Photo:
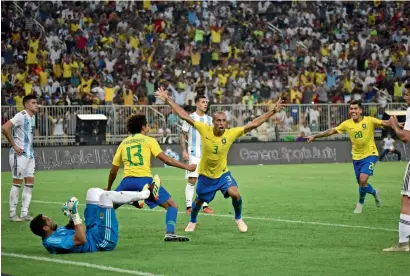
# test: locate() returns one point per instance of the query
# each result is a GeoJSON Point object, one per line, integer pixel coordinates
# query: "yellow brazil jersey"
{"type": "Point", "coordinates": [361, 135]}
{"type": "Point", "coordinates": [135, 152]}
{"type": "Point", "coordinates": [215, 149]}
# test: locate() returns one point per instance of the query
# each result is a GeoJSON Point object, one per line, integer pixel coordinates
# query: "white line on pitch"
{"type": "Point", "coordinates": [255, 218]}
{"type": "Point", "coordinates": [88, 265]}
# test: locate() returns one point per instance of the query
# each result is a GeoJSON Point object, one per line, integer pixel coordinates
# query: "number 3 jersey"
{"type": "Point", "coordinates": [135, 152]}
{"type": "Point", "coordinates": [361, 135]}
{"type": "Point", "coordinates": [215, 149]}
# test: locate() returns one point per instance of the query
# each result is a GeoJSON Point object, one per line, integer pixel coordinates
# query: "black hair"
{"type": "Point", "coordinates": [407, 85]}
{"type": "Point", "coordinates": [37, 224]}
{"type": "Point", "coordinates": [353, 102]}
{"type": "Point", "coordinates": [29, 97]}
{"type": "Point", "coordinates": [135, 123]}
{"type": "Point", "coordinates": [198, 98]}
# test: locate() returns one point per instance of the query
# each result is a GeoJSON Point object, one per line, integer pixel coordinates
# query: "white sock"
{"type": "Point", "coordinates": [404, 228]}
{"type": "Point", "coordinates": [26, 199]}
{"type": "Point", "coordinates": [189, 194]}
{"type": "Point", "coordinates": [14, 198]}
{"type": "Point", "coordinates": [204, 205]}
{"type": "Point", "coordinates": [126, 196]}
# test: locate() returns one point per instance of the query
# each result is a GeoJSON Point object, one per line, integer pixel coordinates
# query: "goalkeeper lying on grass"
{"type": "Point", "coordinates": [100, 221]}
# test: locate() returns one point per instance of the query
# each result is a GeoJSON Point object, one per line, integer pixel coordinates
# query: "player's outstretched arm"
{"type": "Point", "coordinates": [174, 163]}
{"type": "Point", "coordinates": [326, 133]}
{"type": "Point", "coordinates": [403, 134]}
{"type": "Point", "coordinates": [264, 117]}
{"type": "Point", "coordinates": [163, 95]}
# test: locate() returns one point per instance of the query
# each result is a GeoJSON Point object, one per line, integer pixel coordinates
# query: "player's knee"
{"type": "Point", "coordinates": [171, 203]}
{"type": "Point", "coordinates": [105, 200]}
{"type": "Point", "coordinates": [363, 181]}
{"type": "Point", "coordinates": [192, 181]}
{"type": "Point", "coordinates": [93, 195]}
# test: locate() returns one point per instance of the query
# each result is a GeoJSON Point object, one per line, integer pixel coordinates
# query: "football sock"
{"type": "Point", "coordinates": [370, 189]}
{"type": "Point", "coordinates": [194, 212]}
{"type": "Point", "coordinates": [204, 205]}
{"type": "Point", "coordinates": [171, 219]}
{"type": "Point", "coordinates": [404, 228]}
{"type": "Point", "coordinates": [126, 196]}
{"type": "Point", "coordinates": [26, 199]}
{"type": "Point", "coordinates": [362, 194]}
{"type": "Point", "coordinates": [189, 194]}
{"type": "Point", "coordinates": [237, 206]}
{"type": "Point", "coordinates": [14, 198]}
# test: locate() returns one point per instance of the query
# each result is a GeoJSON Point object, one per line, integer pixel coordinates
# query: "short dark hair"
{"type": "Point", "coordinates": [353, 102]}
{"type": "Point", "coordinates": [135, 123]}
{"type": "Point", "coordinates": [29, 97]}
{"type": "Point", "coordinates": [37, 224]}
{"type": "Point", "coordinates": [198, 98]}
{"type": "Point", "coordinates": [407, 86]}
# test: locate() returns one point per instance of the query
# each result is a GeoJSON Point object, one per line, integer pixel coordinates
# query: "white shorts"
{"type": "Point", "coordinates": [405, 190]}
{"type": "Point", "coordinates": [21, 166]}
{"type": "Point", "coordinates": [193, 160]}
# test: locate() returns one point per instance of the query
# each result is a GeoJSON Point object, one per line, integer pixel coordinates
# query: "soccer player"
{"type": "Point", "coordinates": [404, 222]}
{"type": "Point", "coordinates": [389, 145]}
{"type": "Point", "coordinates": [213, 172]}
{"type": "Point", "coordinates": [193, 153]}
{"type": "Point", "coordinates": [21, 156]}
{"type": "Point", "coordinates": [361, 132]}
{"type": "Point", "coordinates": [101, 232]}
{"type": "Point", "coordinates": [135, 153]}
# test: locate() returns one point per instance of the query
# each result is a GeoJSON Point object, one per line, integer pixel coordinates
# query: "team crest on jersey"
{"type": "Point", "coordinates": [364, 126]}
{"type": "Point", "coordinates": [223, 141]}
{"type": "Point", "coordinates": [101, 215]}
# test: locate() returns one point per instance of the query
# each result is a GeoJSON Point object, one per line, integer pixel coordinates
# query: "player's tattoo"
{"type": "Point", "coordinates": [326, 133]}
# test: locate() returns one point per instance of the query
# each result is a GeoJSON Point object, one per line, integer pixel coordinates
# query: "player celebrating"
{"type": "Point", "coordinates": [135, 153]}
{"type": "Point", "coordinates": [404, 222]}
{"type": "Point", "coordinates": [364, 151]}
{"type": "Point", "coordinates": [21, 156]}
{"type": "Point", "coordinates": [213, 171]}
{"type": "Point", "coordinates": [100, 219]}
{"type": "Point", "coordinates": [193, 154]}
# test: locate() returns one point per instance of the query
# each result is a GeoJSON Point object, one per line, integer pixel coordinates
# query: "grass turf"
{"type": "Point", "coordinates": [272, 195]}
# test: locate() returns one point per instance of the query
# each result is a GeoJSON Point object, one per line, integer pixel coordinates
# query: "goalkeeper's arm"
{"type": "Point", "coordinates": [79, 237]}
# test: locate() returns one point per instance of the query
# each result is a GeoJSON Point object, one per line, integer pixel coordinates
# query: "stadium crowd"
{"type": "Point", "coordinates": [119, 52]}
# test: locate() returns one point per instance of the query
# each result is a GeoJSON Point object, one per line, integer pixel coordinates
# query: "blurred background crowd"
{"type": "Point", "coordinates": [116, 53]}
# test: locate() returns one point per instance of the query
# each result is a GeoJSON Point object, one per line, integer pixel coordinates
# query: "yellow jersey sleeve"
{"type": "Point", "coordinates": [201, 127]}
{"type": "Point", "coordinates": [155, 147]}
{"type": "Point", "coordinates": [237, 132]}
{"type": "Point", "coordinates": [118, 157]}
{"type": "Point", "coordinates": [341, 128]}
{"type": "Point", "coordinates": [376, 122]}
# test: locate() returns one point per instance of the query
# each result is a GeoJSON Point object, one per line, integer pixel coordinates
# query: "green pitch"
{"type": "Point", "coordinates": [300, 220]}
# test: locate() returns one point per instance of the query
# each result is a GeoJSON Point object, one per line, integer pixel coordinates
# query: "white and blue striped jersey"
{"type": "Point", "coordinates": [23, 132]}
{"type": "Point", "coordinates": [194, 138]}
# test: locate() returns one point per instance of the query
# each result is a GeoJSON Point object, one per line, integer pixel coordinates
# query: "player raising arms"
{"type": "Point", "coordinates": [22, 156]}
{"type": "Point", "coordinates": [101, 232]}
{"type": "Point", "coordinates": [213, 171]}
{"type": "Point", "coordinates": [194, 151]}
{"type": "Point", "coordinates": [404, 222]}
{"type": "Point", "coordinates": [135, 153]}
{"type": "Point", "coordinates": [361, 132]}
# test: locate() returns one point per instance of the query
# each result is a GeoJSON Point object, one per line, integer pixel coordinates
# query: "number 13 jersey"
{"type": "Point", "coordinates": [361, 135]}
{"type": "Point", "coordinates": [135, 152]}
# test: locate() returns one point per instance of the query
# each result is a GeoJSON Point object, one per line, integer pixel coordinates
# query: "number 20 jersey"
{"type": "Point", "coordinates": [135, 153]}
{"type": "Point", "coordinates": [361, 135]}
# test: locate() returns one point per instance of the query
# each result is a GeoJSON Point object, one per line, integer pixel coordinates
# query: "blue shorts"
{"type": "Point", "coordinates": [365, 165]}
{"type": "Point", "coordinates": [206, 187]}
{"type": "Point", "coordinates": [136, 184]}
{"type": "Point", "coordinates": [102, 227]}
